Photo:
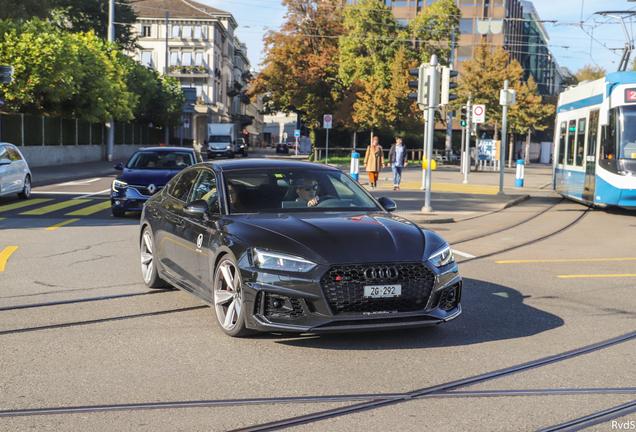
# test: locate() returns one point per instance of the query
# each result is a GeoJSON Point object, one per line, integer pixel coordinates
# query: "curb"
{"type": "Point", "coordinates": [516, 201]}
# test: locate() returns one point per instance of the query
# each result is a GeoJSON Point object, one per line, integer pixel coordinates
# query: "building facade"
{"type": "Point", "coordinates": [196, 44]}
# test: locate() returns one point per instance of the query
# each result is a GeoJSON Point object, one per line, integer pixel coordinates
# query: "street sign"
{"type": "Point", "coordinates": [297, 133]}
{"type": "Point", "coordinates": [326, 121]}
{"type": "Point", "coordinates": [186, 123]}
{"type": "Point", "coordinates": [507, 97]}
{"type": "Point", "coordinates": [479, 114]}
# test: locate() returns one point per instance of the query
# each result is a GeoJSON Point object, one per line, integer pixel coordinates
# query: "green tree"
{"type": "Point", "coordinates": [432, 30]}
{"type": "Point", "coordinates": [590, 73]}
{"type": "Point", "coordinates": [484, 77]}
{"type": "Point", "coordinates": [24, 10]}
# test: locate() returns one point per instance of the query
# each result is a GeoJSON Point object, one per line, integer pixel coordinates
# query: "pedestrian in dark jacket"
{"type": "Point", "coordinates": [374, 161]}
{"type": "Point", "coordinates": [398, 158]}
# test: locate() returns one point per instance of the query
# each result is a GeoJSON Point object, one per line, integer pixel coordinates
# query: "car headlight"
{"type": "Point", "coordinates": [442, 256]}
{"type": "Point", "coordinates": [279, 261]}
{"type": "Point", "coordinates": [119, 185]}
{"type": "Point", "coordinates": [228, 147]}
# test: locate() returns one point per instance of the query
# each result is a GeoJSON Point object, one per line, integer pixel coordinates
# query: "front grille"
{"type": "Point", "coordinates": [346, 295]}
{"type": "Point", "coordinates": [144, 189]}
{"type": "Point", "coordinates": [290, 307]}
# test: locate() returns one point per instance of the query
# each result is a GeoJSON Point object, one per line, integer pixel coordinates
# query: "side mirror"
{"type": "Point", "coordinates": [5, 161]}
{"type": "Point", "coordinates": [388, 204]}
{"type": "Point", "coordinates": [198, 208]}
{"type": "Point", "coordinates": [119, 167]}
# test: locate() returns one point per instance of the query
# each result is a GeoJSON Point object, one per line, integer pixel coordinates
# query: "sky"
{"type": "Point", "coordinates": [598, 41]}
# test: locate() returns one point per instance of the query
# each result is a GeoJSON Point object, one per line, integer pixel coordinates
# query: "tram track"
{"type": "Point", "coordinates": [374, 401]}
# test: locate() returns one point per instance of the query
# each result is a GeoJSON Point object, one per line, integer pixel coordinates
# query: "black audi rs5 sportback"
{"type": "Point", "coordinates": [293, 246]}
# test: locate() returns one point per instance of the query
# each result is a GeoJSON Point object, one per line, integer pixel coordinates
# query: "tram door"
{"type": "Point", "coordinates": [560, 159]}
{"type": "Point", "coordinates": [590, 158]}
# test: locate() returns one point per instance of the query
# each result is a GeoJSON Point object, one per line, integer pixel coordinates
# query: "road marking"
{"type": "Point", "coordinates": [54, 207]}
{"type": "Point", "coordinates": [80, 183]}
{"type": "Point", "coordinates": [567, 260]}
{"type": "Point", "coordinates": [65, 193]}
{"type": "Point", "coordinates": [23, 204]}
{"type": "Point", "coordinates": [91, 209]}
{"type": "Point", "coordinates": [464, 254]}
{"type": "Point", "coordinates": [93, 194]}
{"type": "Point", "coordinates": [445, 187]}
{"type": "Point", "coordinates": [5, 254]}
{"type": "Point", "coordinates": [61, 224]}
{"type": "Point", "coordinates": [597, 276]}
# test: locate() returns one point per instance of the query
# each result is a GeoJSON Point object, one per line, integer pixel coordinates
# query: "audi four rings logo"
{"type": "Point", "coordinates": [381, 273]}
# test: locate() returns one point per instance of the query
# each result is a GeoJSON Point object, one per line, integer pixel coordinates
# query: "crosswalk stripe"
{"type": "Point", "coordinates": [445, 187]}
{"type": "Point", "coordinates": [21, 204]}
{"type": "Point", "coordinates": [54, 207]}
{"type": "Point", "coordinates": [61, 224]}
{"type": "Point", "coordinates": [91, 209]}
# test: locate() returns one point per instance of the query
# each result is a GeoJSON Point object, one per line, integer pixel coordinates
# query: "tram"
{"type": "Point", "coordinates": [595, 142]}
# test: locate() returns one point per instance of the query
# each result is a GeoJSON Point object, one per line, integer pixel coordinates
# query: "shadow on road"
{"type": "Point", "coordinates": [491, 312]}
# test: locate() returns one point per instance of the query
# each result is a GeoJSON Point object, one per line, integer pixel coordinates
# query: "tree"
{"type": "Point", "coordinates": [300, 72]}
{"type": "Point", "coordinates": [432, 30]}
{"type": "Point", "coordinates": [484, 78]}
{"type": "Point", "coordinates": [590, 73]}
{"type": "Point", "coordinates": [24, 10]}
{"type": "Point", "coordinates": [568, 78]}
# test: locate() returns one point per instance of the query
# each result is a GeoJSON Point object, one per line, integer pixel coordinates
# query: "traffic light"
{"type": "Point", "coordinates": [6, 74]}
{"type": "Point", "coordinates": [463, 117]}
{"type": "Point", "coordinates": [448, 85]}
{"type": "Point", "coordinates": [421, 85]}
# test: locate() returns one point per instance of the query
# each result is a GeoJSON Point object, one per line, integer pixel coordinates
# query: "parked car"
{"type": "Point", "coordinates": [282, 148]}
{"type": "Point", "coordinates": [293, 246]}
{"type": "Point", "coordinates": [147, 172]}
{"type": "Point", "coordinates": [15, 175]}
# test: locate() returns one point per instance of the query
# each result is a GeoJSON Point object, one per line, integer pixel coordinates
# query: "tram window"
{"type": "Point", "coordinates": [607, 154]}
{"type": "Point", "coordinates": [592, 133]}
{"type": "Point", "coordinates": [580, 142]}
{"type": "Point", "coordinates": [571, 141]}
{"type": "Point", "coordinates": [562, 136]}
{"type": "Point", "coordinates": [628, 133]}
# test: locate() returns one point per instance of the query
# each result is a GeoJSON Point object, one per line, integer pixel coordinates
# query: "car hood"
{"type": "Point", "coordinates": [334, 238]}
{"type": "Point", "coordinates": [146, 176]}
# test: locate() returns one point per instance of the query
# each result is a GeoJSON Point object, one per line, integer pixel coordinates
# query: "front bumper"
{"type": "Point", "coordinates": [219, 153]}
{"type": "Point", "coordinates": [278, 302]}
{"type": "Point", "coordinates": [128, 199]}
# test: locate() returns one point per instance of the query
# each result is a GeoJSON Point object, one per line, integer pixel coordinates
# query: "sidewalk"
{"type": "Point", "coordinates": [451, 199]}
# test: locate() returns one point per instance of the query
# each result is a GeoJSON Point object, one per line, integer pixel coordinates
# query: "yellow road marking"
{"type": "Point", "coordinates": [61, 224]}
{"type": "Point", "coordinates": [90, 210]}
{"type": "Point", "coordinates": [5, 254]}
{"type": "Point", "coordinates": [54, 207]}
{"type": "Point", "coordinates": [445, 187]}
{"type": "Point", "coordinates": [566, 260]}
{"type": "Point", "coordinates": [597, 276]}
{"type": "Point", "coordinates": [23, 204]}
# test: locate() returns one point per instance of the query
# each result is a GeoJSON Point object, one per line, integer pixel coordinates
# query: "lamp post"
{"type": "Point", "coordinates": [110, 124]}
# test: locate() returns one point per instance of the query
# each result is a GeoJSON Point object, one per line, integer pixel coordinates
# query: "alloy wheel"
{"type": "Point", "coordinates": [228, 300]}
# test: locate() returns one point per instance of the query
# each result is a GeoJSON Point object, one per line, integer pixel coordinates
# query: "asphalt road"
{"type": "Point", "coordinates": [565, 280]}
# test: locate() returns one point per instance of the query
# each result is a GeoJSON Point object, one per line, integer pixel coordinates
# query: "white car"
{"type": "Point", "coordinates": [15, 175]}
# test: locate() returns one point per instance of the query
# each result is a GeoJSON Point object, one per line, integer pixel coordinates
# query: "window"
{"type": "Point", "coordinates": [607, 156]}
{"type": "Point", "coordinates": [198, 59]}
{"type": "Point", "coordinates": [14, 154]}
{"type": "Point", "coordinates": [398, 3]}
{"type": "Point", "coordinates": [174, 59]}
{"type": "Point", "coordinates": [592, 134]}
{"type": "Point", "coordinates": [401, 22]}
{"type": "Point", "coordinates": [205, 189]}
{"type": "Point", "coordinates": [467, 2]}
{"type": "Point", "coordinates": [464, 53]}
{"type": "Point", "coordinates": [580, 142]}
{"type": "Point", "coordinates": [4, 154]}
{"type": "Point", "coordinates": [387, 2]}
{"type": "Point", "coordinates": [197, 32]}
{"type": "Point", "coordinates": [628, 133]}
{"type": "Point", "coordinates": [187, 32]}
{"type": "Point", "coordinates": [181, 188]}
{"type": "Point", "coordinates": [146, 58]}
{"type": "Point", "coordinates": [562, 136]}
{"type": "Point", "coordinates": [145, 31]}
{"type": "Point", "coordinates": [199, 88]}
{"type": "Point", "coordinates": [466, 26]}
{"type": "Point", "coordinates": [570, 146]}
{"type": "Point", "coordinates": [186, 59]}
{"type": "Point", "coordinates": [175, 31]}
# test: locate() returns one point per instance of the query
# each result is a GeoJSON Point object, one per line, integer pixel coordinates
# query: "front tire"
{"type": "Point", "coordinates": [26, 191]}
{"type": "Point", "coordinates": [149, 262]}
{"type": "Point", "coordinates": [228, 298]}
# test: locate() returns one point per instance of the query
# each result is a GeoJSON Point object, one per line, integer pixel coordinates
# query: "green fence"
{"type": "Point", "coordinates": [28, 130]}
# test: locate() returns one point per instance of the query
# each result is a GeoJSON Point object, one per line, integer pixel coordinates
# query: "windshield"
{"type": "Point", "coordinates": [283, 191]}
{"type": "Point", "coordinates": [160, 159]}
{"type": "Point", "coordinates": [627, 149]}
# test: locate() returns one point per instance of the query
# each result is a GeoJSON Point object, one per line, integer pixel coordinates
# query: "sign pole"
{"type": "Point", "coordinates": [502, 147]}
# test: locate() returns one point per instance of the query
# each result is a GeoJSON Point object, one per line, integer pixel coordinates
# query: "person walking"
{"type": "Point", "coordinates": [374, 161]}
{"type": "Point", "coordinates": [398, 157]}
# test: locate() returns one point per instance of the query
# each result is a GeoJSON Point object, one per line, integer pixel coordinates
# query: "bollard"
{"type": "Point", "coordinates": [355, 164]}
{"type": "Point", "coordinates": [519, 176]}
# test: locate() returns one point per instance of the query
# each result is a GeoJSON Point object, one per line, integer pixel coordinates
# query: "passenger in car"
{"type": "Point", "coordinates": [308, 192]}
{"type": "Point", "coordinates": [235, 203]}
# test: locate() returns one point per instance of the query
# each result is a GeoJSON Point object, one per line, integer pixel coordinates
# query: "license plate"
{"type": "Point", "coordinates": [382, 291]}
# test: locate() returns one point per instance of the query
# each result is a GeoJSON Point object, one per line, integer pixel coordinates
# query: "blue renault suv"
{"type": "Point", "coordinates": [146, 173]}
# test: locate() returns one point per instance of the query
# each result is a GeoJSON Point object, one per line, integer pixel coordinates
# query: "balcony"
{"type": "Point", "coordinates": [188, 71]}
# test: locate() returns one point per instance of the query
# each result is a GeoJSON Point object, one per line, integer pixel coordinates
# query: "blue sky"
{"type": "Point", "coordinates": [572, 45]}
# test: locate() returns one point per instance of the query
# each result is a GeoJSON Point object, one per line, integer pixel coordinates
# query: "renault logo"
{"type": "Point", "coordinates": [152, 188]}
{"type": "Point", "coordinates": [380, 273]}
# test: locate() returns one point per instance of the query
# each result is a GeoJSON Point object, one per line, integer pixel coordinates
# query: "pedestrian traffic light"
{"type": "Point", "coordinates": [421, 96]}
{"type": "Point", "coordinates": [447, 85]}
{"type": "Point", "coordinates": [6, 74]}
{"type": "Point", "coordinates": [463, 116]}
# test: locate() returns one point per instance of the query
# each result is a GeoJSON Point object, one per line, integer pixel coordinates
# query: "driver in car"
{"type": "Point", "coordinates": [307, 192]}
